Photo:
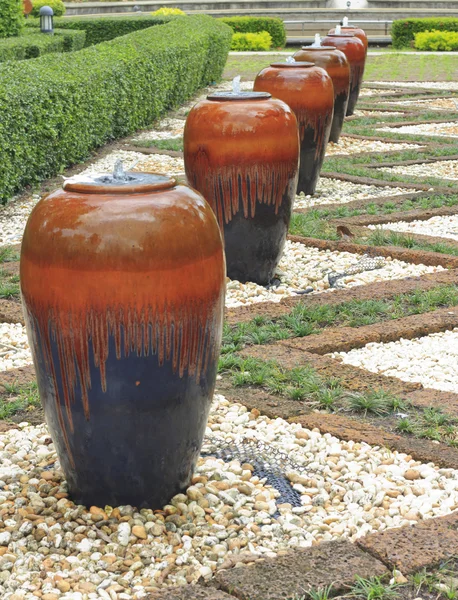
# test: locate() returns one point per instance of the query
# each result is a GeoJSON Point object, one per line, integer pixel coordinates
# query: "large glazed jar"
{"type": "Point", "coordinates": [308, 90]}
{"type": "Point", "coordinates": [356, 31]}
{"type": "Point", "coordinates": [353, 48]}
{"type": "Point", "coordinates": [241, 152]}
{"type": "Point", "coordinates": [123, 292]}
{"type": "Point", "coordinates": [335, 63]}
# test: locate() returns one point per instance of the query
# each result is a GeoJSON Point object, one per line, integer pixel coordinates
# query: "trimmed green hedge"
{"type": "Point", "coordinates": [102, 29]}
{"type": "Point", "coordinates": [251, 41]}
{"type": "Point", "coordinates": [11, 18]}
{"type": "Point", "coordinates": [403, 31]}
{"type": "Point", "coordinates": [57, 6]}
{"type": "Point", "coordinates": [272, 25]}
{"type": "Point", "coordinates": [57, 108]}
{"type": "Point", "coordinates": [32, 45]}
{"type": "Point", "coordinates": [436, 40]}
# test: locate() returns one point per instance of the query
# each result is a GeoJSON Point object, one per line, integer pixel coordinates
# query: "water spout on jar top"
{"type": "Point", "coordinates": [236, 85]}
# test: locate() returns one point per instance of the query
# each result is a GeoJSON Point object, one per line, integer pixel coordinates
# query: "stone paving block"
{"type": "Point", "coordinates": [189, 592]}
{"type": "Point", "coordinates": [296, 572]}
{"type": "Point", "coordinates": [414, 547]}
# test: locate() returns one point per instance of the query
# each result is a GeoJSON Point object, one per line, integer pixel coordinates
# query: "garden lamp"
{"type": "Point", "coordinates": [46, 14]}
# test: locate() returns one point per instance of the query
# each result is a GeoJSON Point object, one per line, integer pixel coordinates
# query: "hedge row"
{"type": "Point", "coordinates": [56, 109]}
{"type": "Point", "coordinates": [272, 25]}
{"type": "Point", "coordinates": [11, 18]}
{"type": "Point", "coordinates": [58, 7]}
{"type": "Point", "coordinates": [436, 40]}
{"type": "Point", "coordinates": [403, 31]}
{"type": "Point", "coordinates": [32, 45]}
{"type": "Point", "coordinates": [102, 29]}
{"type": "Point", "coordinates": [242, 42]}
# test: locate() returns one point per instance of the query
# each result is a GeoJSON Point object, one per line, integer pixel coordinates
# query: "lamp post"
{"type": "Point", "coordinates": [46, 24]}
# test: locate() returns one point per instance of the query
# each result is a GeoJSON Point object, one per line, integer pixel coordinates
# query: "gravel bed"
{"type": "Point", "coordinates": [337, 191]}
{"type": "Point", "coordinates": [448, 169]}
{"type": "Point", "coordinates": [228, 516]}
{"type": "Point", "coordinates": [377, 113]}
{"type": "Point", "coordinates": [436, 103]}
{"type": "Point", "coordinates": [376, 92]}
{"type": "Point", "coordinates": [167, 129]}
{"type": "Point", "coordinates": [137, 161]}
{"type": "Point", "coordinates": [446, 227]}
{"type": "Point", "coordinates": [13, 217]}
{"type": "Point", "coordinates": [306, 269]}
{"type": "Point", "coordinates": [14, 347]}
{"type": "Point", "coordinates": [431, 360]}
{"type": "Point", "coordinates": [440, 129]}
{"type": "Point", "coordinates": [347, 145]}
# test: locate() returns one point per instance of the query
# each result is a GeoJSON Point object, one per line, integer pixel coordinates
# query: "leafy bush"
{"type": "Point", "coordinates": [11, 18]}
{"type": "Point", "coordinates": [103, 29]}
{"type": "Point", "coordinates": [165, 11]}
{"type": "Point", "coordinates": [251, 41]}
{"type": "Point", "coordinates": [403, 31]}
{"type": "Point", "coordinates": [32, 45]}
{"type": "Point", "coordinates": [57, 108]}
{"type": "Point", "coordinates": [436, 40]}
{"type": "Point", "coordinates": [57, 5]}
{"type": "Point", "coordinates": [272, 25]}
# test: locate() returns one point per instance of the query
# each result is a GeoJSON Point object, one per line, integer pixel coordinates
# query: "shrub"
{"type": "Point", "coordinates": [57, 5]}
{"type": "Point", "coordinates": [103, 29]}
{"type": "Point", "coordinates": [11, 18]}
{"type": "Point", "coordinates": [436, 40]}
{"type": "Point", "coordinates": [32, 45]}
{"type": "Point", "coordinates": [56, 109]}
{"type": "Point", "coordinates": [403, 31]}
{"type": "Point", "coordinates": [165, 11]}
{"type": "Point", "coordinates": [251, 41]}
{"type": "Point", "coordinates": [272, 25]}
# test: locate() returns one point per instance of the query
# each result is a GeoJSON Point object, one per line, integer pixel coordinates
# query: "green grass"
{"type": "Point", "coordinates": [395, 238]}
{"type": "Point", "coordinates": [311, 224]}
{"type": "Point", "coordinates": [304, 320]}
{"type": "Point", "coordinates": [401, 67]}
{"type": "Point", "coordinates": [387, 208]}
{"type": "Point", "coordinates": [391, 66]}
{"type": "Point", "coordinates": [18, 399]}
{"type": "Point", "coordinates": [315, 392]}
{"type": "Point", "coordinates": [8, 254]}
{"type": "Point", "coordinates": [175, 144]}
{"type": "Point", "coordinates": [9, 285]}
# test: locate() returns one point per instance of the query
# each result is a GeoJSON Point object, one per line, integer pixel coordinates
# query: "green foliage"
{"type": "Point", "coordinates": [403, 31]}
{"type": "Point", "coordinates": [11, 18]}
{"type": "Point", "coordinates": [251, 41]}
{"type": "Point", "coordinates": [166, 11]}
{"type": "Point", "coordinates": [436, 40]}
{"type": "Point", "coordinates": [57, 5]}
{"type": "Point", "coordinates": [56, 109]}
{"type": "Point", "coordinates": [103, 29]}
{"type": "Point", "coordinates": [32, 45]}
{"type": "Point", "coordinates": [272, 25]}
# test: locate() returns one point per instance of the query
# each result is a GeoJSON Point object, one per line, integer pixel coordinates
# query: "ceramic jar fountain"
{"type": "Point", "coordinates": [308, 90]}
{"type": "Point", "coordinates": [241, 152]}
{"type": "Point", "coordinates": [123, 291]}
{"type": "Point", "coordinates": [335, 63]}
{"type": "Point", "coordinates": [357, 31]}
{"type": "Point", "coordinates": [354, 50]}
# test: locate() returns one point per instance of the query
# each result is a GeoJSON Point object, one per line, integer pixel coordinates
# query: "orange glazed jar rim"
{"type": "Point", "coordinates": [295, 65]}
{"type": "Point", "coordinates": [340, 35]}
{"type": "Point", "coordinates": [227, 96]}
{"type": "Point", "coordinates": [135, 183]}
